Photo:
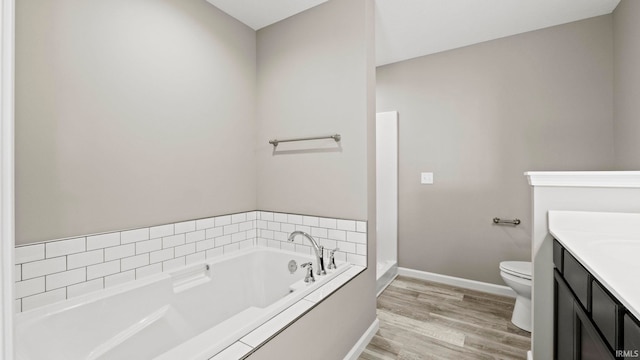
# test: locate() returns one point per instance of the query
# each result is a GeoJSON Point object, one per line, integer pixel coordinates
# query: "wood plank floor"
{"type": "Point", "coordinates": [426, 320]}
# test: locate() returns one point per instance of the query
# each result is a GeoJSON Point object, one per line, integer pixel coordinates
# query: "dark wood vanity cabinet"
{"type": "Point", "coordinates": [589, 323]}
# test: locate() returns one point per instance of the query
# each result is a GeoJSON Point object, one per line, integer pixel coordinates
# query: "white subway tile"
{"type": "Point", "coordinates": [288, 246]}
{"type": "Point", "coordinates": [161, 231]}
{"type": "Point", "coordinates": [244, 226]}
{"type": "Point", "coordinates": [361, 249]}
{"type": "Point", "coordinates": [43, 267]}
{"type": "Point", "coordinates": [238, 237]}
{"type": "Point", "coordinates": [46, 298]}
{"type": "Point", "coordinates": [327, 223]}
{"type": "Point", "coordinates": [303, 249]}
{"type": "Point", "coordinates": [357, 259]}
{"type": "Point", "coordinates": [231, 248]}
{"type": "Point", "coordinates": [172, 241]}
{"type": "Point", "coordinates": [280, 217]}
{"type": "Point", "coordinates": [103, 269]}
{"type": "Point", "coordinates": [195, 236]}
{"type": "Point", "coordinates": [261, 224]}
{"type": "Point", "coordinates": [103, 241]}
{"type": "Point", "coordinates": [340, 256]}
{"type": "Point", "coordinates": [17, 273]}
{"type": "Point", "coordinates": [134, 262]}
{"type": "Point", "coordinates": [185, 227]}
{"type": "Point", "coordinates": [195, 258]}
{"type": "Point", "coordinates": [337, 235]}
{"type": "Point", "coordinates": [265, 215]}
{"type": "Point", "coordinates": [161, 255]}
{"type": "Point", "coordinates": [65, 278]}
{"type": "Point", "coordinates": [310, 221]}
{"type": "Point", "coordinates": [347, 247]}
{"type": "Point", "coordinates": [251, 233]}
{"type": "Point", "coordinates": [64, 247]}
{"type": "Point", "coordinates": [328, 244]}
{"type": "Point", "coordinates": [214, 232]}
{"type": "Point", "coordinates": [319, 232]}
{"type": "Point", "coordinates": [238, 218]}
{"type": "Point", "coordinates": [84, 288]}
{"type": "Point", "coordinates": [29, 287]}
{"type": "Point", "coordinates": [173, 263]}
{"type": "Point", "coordinates": [280, 236]}
{"type": "Point", "coordinates": [274, 226]}
{"type": "Point", "coordinates": [204, 245]}
{"type": "Point", "coordinates": [85, 259]}
{"type": "Point", "coordinates": [185, 249]}
{"type": "Point", "coordinates": [131, 236]}
{"type": "Point", "coordinates": [251, 215]}
{"type": "Point", "coordinates": [288, 228]}
{"type": "Point", "coordinates": [223, 220]}
{"type": "Point", "coordinates": [231, 229]}
{"type": "Point", "coordinates": [148, 270]}
{"type": "Point", "coordinates": [119, 278]}
{"type": "Point", "coordinates": [205, 223]}
{"type": "Point", "coordinates": [356, 237]}
{"type": "Point", "coordinates": [212, 253]}
{"type": "Point", "coordinates": [294, 219]}
{"type": "Point", "coordinates": [29, 253]}
{"type": "Point", "coordinates": [246, 243]}
{"type": "Point", "coordinates": [222, 240]}
{"type": "Point", "coordinates": [348, 225]}
{"type": "Point", "coordinates": [148, 246]}
{"type": "Point", "coordinates": [303, 228]}
{"type": "Point", "coordinates": [261, 242]}
{"type": "Point", "coordinates": [361, 226]}
{"type": "Point", "coordinates": [118, 252]}
{"type": "Point", "coordinates": [267, 234]}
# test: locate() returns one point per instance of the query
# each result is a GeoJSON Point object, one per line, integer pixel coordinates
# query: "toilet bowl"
{"type": "Point", "coordinates": [517, 275]}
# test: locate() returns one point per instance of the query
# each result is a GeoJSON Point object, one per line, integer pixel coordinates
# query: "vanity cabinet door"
{"type": "Point", "coordinates": [590, 345]}
{"type": "Point", "coordinates": [578, 279]}
{"type": "Point", "coordinates": [563, 320]}
{"type": "Point", "coordinates": [605, 313]}
{"type": "Point", "coordinates": [631, 342]}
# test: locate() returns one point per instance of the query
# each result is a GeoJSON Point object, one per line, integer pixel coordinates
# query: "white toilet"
{"type": "Point", "coordinates": [517, 274]}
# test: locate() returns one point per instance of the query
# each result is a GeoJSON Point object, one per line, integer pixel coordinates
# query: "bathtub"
{"type": "Point", "coordinates": [193, 313]}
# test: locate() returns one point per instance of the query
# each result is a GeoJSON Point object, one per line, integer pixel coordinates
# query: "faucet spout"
{"type": "Point", "coordinates": [319, 250]}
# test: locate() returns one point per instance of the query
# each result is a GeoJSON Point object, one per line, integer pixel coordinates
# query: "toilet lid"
{"type": "Point", "coordinates": [517, 268]}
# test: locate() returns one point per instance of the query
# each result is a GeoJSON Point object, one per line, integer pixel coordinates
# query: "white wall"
{"type": "Point", "coordinates": [131, 113]}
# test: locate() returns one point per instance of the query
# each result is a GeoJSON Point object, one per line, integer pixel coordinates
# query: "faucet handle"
{"type": "Point", "coordinates": [332, 260]}
{"type": "Point", "coordinates": [309, 277]}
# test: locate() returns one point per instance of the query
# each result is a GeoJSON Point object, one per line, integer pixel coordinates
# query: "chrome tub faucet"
{"type": "Point", "coordinates": [319, 249]}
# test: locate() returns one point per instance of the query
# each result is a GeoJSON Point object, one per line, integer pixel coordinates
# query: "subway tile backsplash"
{"type": "Point", "coordinates": [62, 269]}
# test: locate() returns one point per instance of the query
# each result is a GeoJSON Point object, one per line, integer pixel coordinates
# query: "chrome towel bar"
{"type": "Point", "coordinates": [497, 220]}
{"type": "Point", "coordinates": [335, 137]}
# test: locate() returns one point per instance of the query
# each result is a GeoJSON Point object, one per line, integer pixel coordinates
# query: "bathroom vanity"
{"type": "Point", "coordinates": [596, 259]}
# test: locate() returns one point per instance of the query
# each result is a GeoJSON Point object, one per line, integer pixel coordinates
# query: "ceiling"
{"type": "Point", "coordinates": [407, 29]}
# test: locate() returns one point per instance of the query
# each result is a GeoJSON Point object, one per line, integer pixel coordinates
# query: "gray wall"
{"type": "Point", "coordinates": [316, 75]}
{"type": "Point", "coordinates": [626, 35]}
{"type": "Point", "coordinates": [480, 116]}
{"type": "Point", "coordinates": [312, 80]}
{"type": "Point", "coordinates": [131, 113]}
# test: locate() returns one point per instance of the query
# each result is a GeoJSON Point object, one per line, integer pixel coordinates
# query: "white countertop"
{"type": "Point", "coordinates": [606, 244]}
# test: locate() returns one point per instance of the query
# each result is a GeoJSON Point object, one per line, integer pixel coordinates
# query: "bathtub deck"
{"type": "Point", "coordinates": [426, 320]}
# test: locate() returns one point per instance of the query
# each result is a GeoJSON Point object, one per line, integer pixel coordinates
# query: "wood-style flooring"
{"type": "Point", "coordinates": [426, 320]}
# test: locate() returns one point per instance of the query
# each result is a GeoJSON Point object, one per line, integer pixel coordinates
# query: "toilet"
{"type": "Point", "coordinates": [517, 275]}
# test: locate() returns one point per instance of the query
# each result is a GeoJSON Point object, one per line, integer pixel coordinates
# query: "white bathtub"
{"type": "Point", "coordinates": [192, 313]}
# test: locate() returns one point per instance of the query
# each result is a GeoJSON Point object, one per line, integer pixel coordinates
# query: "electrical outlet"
{"type": "Point", "coordinates": [426, 178]}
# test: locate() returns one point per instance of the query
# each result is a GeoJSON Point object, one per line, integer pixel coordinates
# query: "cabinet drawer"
{"type": "Point", "coordinates": [604, 312]}
{"type": "Point", "coordinates": [631, 342]}
{"type": "Point", "coordinates": [557, 255]}
{"type": "Point", "coordinates": [578, 278]}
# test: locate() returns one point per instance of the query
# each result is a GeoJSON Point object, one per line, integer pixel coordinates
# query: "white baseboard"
{"type": "Point", "coordinates": [529, 356]}
{"type": "Point", "coordinates": [459, 282]}
{"type": "Point", "coordinates": [364, 340]}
